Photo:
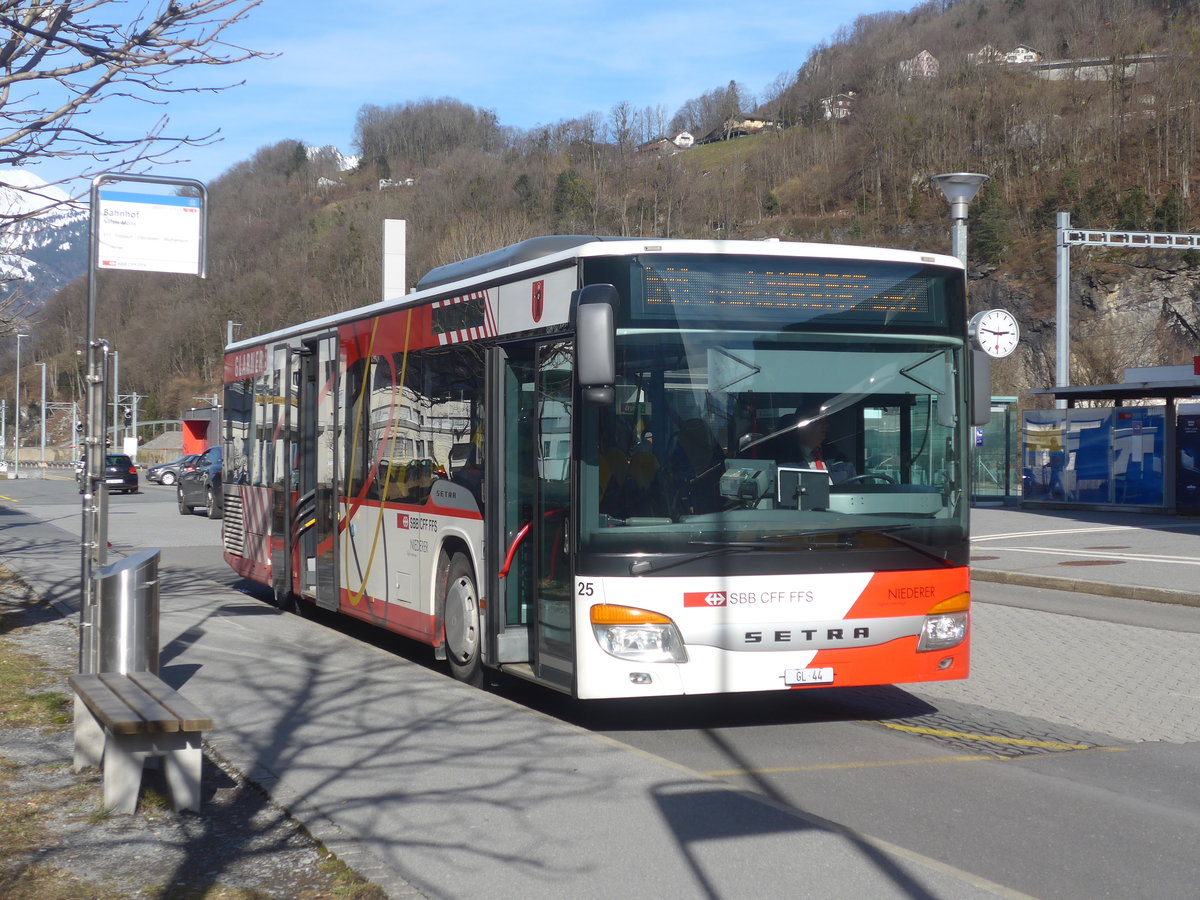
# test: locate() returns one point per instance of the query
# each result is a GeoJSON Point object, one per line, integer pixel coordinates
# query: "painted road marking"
{"type": "Point", "coordinates": [1182, 526]}
{"type": "Point", "coordinates": [935, 732]}
{"type": "Point", "coordinates": [1029, 534]}
{"type": "Point", "coordinates": [1102, 554]}
{"type": "Point", "coordinates": [826, 767]}
{"type": "Point", "coordinates": [988, 738]}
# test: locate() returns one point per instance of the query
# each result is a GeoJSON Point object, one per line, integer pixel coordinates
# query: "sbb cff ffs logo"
{"type": "Point", "coordinates": [705, 598]}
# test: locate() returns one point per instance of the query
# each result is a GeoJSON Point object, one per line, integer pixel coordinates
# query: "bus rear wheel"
{"type": "Point", "coordinates": [285, 600]}
{"type": "Point", "coordinates": [461, 621]}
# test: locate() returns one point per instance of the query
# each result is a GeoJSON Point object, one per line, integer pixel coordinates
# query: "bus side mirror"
{"type": "Point", "coordinates": [981, 388]}
{"type": "Point", "coordinates": [595, 340]}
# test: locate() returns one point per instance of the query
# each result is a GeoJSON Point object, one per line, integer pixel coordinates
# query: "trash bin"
{"type": "Point", "coordinates": [126, 624]}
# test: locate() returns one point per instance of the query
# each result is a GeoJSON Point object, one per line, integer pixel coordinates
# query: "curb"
{"type": "Point", "coordinates": [1056, 583]}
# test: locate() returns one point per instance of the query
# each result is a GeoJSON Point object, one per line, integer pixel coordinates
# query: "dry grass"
{"type": "Point", "coordinates": [39, 800]}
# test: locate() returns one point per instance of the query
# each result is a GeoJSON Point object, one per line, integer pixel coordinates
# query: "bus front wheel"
{"type": "Point", "coordinates": [461, 621]}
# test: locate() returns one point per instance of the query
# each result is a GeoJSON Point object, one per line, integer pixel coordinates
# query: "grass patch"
{"type": "Point", "coordinates": [22, 833]}
{"type": "Point", "coordinates": [23, 701]}
{"type": "Point", "coordinates": [346, 884]}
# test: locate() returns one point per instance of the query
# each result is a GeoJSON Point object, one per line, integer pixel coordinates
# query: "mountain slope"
{"type": "Point", "coordinates": [43, 239]}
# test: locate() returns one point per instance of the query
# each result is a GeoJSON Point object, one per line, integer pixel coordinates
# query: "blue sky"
{"type": "Point", "coordinates": [532, 62]}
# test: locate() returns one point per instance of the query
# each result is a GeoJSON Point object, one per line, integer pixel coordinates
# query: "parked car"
{"type": "Point", "coordinates": [201, 486]}
{"type": "Point", "coordinates": [168, 472]}
{"type": "Point", "coordinates": [120, 474]}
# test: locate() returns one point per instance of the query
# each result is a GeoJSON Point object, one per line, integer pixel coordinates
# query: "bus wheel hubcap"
{"type": "Point", "coordinates": [462, 620]}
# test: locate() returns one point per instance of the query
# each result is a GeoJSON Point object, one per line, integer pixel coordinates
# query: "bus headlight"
{"type": "Point", "coordinates": [946, 624]}
{"type": "Point", "coordinates": [637, 634]}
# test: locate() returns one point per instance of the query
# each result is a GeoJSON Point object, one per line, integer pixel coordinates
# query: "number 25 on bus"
{"type": "Point", "coordinates": [627, 468]}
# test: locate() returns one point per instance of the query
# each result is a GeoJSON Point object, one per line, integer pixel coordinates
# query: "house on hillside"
{"type": "Point", "coordinates": [839, 106]}
{"type": "Point", "coordinates": [923, 65]}
{"type": "Point", "coordinates": [1022, 55]}
{"type": "Point", "coordinates": [668, 146]}
{"type": "Point", "coordinates": [988, 55]}
{"type": "Point", "coordinates": [740, 125]}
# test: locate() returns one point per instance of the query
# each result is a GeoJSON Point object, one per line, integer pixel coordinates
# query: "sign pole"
{"type": "Point", "coordinates": [145, 232]}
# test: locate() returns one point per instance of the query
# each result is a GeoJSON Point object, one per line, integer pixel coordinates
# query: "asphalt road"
{"type": "Point", "coordinates": [1068, 765]}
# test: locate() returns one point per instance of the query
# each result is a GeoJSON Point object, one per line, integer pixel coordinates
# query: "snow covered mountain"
{"type": "Point", "coordinates": [43, 238]}
{"type": "Point", "coordinates": [333, 155]}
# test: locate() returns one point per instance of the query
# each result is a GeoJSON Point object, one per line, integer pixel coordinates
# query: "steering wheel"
{"type": "Point", "coordinates": [869, 476]}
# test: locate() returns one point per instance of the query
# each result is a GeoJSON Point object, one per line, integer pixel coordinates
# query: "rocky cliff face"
{"type": "Point", "coordinates": [1128, 308]}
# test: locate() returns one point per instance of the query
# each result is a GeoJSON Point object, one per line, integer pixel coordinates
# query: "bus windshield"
{"type": "Point", "coordinates": [774, 440]}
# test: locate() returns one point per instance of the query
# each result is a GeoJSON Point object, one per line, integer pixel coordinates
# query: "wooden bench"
{"type": "Point", "coordinates": [122, 720]}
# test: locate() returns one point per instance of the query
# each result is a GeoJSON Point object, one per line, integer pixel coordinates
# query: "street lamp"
{"type": "Point", "coordinates": [116, 418]}
{"type": "Point", "coordinates": [960, 189]}
{"type": "Point", "coordinates": [17, 457]}
{"type": "Point", "coordinates": [43, 365]}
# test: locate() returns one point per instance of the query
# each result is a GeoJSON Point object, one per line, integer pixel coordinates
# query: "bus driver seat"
{"type": "Point", "coordinates": [695, 461]}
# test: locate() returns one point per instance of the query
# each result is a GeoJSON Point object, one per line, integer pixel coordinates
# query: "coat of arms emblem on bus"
{"type": "Point", "coordinates": [539, 300]}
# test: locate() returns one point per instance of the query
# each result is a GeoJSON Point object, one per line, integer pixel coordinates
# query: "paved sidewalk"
{"type": "Point", "coordinates": [1114, 554]}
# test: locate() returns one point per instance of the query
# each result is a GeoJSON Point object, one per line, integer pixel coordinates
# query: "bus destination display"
{"type": "Point", "coordinates": [800, 289]}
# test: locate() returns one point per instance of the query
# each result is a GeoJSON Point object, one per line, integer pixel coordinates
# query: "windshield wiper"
{"type": "Point", "coordinates": [717, 548]}
{"type": "Point", "coordinates": [887, 531]}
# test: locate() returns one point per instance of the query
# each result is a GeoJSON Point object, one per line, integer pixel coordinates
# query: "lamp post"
{"type": "Point", "coordinates": [43, 365]}
{"type": "Point", "coordinates": [960, 189]}
{"type": "Point", "coordinates": [17, 439]}
{"type": "Point", "coordinates": [116, 399]}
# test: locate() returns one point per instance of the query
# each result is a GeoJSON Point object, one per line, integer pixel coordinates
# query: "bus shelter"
{"type": "Point", "coordinates": [997, 455]}
{"type": "Point", "coordinates": [1135, 446]}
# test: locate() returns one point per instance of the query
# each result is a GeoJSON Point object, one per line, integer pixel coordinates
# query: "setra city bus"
{"type": "Point", "coordinates": [626, 467]}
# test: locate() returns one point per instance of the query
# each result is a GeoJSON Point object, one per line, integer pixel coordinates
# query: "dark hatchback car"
{"type": "Point", "coordinates": [168, 472]}
{"type": "Point", "coordinates": [201, 486]}
{"type": "Point", "coordinates": [120, 474]}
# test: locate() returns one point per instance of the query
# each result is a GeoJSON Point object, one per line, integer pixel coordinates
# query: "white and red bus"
{"type": "Point", "coordinates": [577, 460]}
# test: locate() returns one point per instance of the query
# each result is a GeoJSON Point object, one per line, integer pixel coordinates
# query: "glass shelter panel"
{"type": "Point", "coordinates": [1101, 456]}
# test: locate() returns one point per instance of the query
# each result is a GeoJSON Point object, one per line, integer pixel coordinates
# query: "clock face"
{"type": "Point", "coordinates": [996, 331]}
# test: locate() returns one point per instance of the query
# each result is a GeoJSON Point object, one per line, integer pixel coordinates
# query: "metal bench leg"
{"type": "Point", "coordinates": [89, 738]}
{"type": "Point", "coordinates": [181, 767]}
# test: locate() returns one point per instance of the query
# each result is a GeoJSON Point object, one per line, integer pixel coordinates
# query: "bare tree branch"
{"type": "Point", "coordinates": [62, 59]}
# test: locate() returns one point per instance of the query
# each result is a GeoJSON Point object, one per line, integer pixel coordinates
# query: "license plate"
{"type": "Point", "coordinates": [823, 675]}
{"type": "Point", "coordinates": [114, 480]}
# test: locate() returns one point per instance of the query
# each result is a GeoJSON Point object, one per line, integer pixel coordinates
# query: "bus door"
{"type": "Point", "coordinates": [530, 619]}
{"type": "Point", "coordinates": [314, 518]}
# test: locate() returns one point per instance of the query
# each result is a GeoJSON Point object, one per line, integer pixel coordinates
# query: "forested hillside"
{"type": "Point", "coordinates": [1110, 136]}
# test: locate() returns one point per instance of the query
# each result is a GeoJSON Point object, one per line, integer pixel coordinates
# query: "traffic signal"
{"type": "Point", "coordinates": [128, 417]}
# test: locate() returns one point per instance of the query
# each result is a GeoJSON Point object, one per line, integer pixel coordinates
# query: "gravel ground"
{"type": "Point", "coordinates": [240, 845]}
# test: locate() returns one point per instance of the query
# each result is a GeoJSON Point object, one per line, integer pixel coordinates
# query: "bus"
{"type": "Point", "coordinates": [579, 461]}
